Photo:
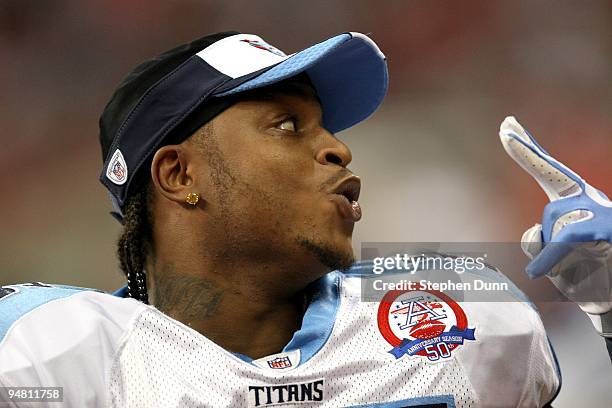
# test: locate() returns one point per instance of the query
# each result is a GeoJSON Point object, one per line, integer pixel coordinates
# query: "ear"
{"type": "Point", "coordinates": [172, 172]}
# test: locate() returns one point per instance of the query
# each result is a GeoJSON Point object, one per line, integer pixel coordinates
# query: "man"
{"type": "Point", "coordinates": [238, 211]}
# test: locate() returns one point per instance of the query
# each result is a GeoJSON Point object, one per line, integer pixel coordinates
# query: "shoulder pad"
{"type": "Point", "coordinates": [18, 300]}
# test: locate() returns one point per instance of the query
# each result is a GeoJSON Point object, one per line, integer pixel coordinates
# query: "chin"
{"type": "Point", "coordinates": [334, 256]}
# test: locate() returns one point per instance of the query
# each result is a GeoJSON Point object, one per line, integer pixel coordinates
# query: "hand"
{"type": "Point", "coordinates": [572, 246]}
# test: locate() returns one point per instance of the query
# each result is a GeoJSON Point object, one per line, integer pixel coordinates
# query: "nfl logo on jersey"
{"type": "Point", "coordinates": [280, 362]}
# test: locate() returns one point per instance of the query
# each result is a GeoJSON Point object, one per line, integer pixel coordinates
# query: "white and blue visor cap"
{"type": "Point", "coordinates": [348, 71]}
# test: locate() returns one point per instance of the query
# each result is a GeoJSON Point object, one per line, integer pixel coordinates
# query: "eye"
{"type": "Point", "coordinates": [289, 124]}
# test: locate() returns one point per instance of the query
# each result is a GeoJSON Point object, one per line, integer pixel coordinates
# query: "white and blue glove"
{"type": "Point", "coordinates": [572, 246]}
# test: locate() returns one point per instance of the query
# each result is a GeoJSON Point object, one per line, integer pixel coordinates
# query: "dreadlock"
{"type": "Point", "coordinates": [135, 242]}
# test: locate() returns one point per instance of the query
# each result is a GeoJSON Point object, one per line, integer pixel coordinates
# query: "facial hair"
{"type": "Point", "coordinates": [331, 257]}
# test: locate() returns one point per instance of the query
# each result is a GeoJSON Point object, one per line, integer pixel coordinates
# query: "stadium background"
{"type": "Point", "coordinates": [431, 162]}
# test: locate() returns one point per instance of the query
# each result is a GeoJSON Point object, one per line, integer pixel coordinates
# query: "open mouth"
{"type": "Point", "coordinates": [345, 195]}
{"type": "Point", "coordinates": [349, 188]}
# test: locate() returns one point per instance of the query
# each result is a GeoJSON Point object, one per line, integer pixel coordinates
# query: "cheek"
{"type": "Point", "coordinates": [277, 171]}
{"type": "Point", "coordinates": [266, 181]}
{"type": "Point", "coordinates": [283, 197]}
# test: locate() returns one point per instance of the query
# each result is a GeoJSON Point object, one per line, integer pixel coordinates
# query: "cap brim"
{"type": "Point", "coordinates": [348, 71]}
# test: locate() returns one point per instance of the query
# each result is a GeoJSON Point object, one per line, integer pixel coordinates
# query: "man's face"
{"type": "Point", "coordinates": [275, 181]}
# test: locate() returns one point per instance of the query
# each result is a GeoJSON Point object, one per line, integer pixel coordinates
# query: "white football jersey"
{"type": "Point", "coordinates": [411, 349]}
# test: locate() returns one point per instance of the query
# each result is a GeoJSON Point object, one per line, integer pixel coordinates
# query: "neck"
{"type": "Point", "coordinates": [245, 309]}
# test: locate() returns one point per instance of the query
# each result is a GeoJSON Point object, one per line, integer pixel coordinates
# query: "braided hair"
{"type": "Point", "coordinates": [134, 244]}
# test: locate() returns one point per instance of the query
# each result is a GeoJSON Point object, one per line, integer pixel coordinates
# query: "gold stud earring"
{"type": "Point", "coordinates": [192, 198]}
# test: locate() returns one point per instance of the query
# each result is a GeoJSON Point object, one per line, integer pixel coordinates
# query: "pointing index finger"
{"type": "Point", "coordinates": [557, 180]}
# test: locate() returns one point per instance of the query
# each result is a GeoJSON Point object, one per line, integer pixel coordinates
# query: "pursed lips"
{"type": "Point", "coordinates": [346, 195]}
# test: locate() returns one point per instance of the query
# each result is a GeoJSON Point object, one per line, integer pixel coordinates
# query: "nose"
{"type": "Point", "coordinates": [333, 151]}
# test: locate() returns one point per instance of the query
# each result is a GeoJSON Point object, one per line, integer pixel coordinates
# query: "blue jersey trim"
{"type": "Point", "coordinates": [447, 401]}
{"type": "Point", "coordinates": [319, 318]}
{"type": "Point", "coordinates": [28, 297]}
{"type": "Point", "coordinates": [243, 357]}
{"type": "Point", "coordinates": [557, 369]}
{"type": "Point", "coordinates": [121, 292]}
